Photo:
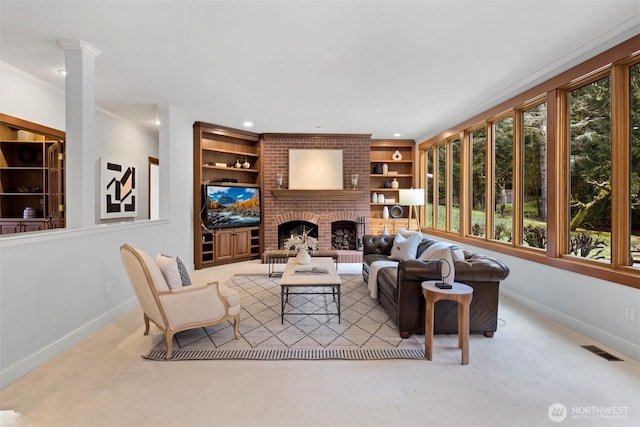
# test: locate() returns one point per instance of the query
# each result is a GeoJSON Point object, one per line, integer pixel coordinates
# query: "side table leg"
{"type": "Point", "coordinates": [463, 330]}
{"type": "Point", "coordinates": [428, 328]}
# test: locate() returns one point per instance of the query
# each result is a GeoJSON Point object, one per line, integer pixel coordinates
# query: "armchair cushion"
{"type": "Point", "coordinates": [173, 270]}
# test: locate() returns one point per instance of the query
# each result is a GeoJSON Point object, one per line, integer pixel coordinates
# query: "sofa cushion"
{"type": "Point", "coordinates": [173, 270]}
{"type": "Point", "coordinates": [405, 245]}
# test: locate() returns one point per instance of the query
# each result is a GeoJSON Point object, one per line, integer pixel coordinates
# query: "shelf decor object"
{"type": "Point", "coordinates": [412, 197]}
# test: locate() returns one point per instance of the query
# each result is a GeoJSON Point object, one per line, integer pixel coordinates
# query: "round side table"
{"type": "Point", "coordinates": [460, 293]}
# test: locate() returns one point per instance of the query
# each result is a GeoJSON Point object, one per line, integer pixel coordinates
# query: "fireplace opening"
{"type": "Point", "coordinates": [287, 229]}
{"type": "Point", "coordinates": [344, 235]}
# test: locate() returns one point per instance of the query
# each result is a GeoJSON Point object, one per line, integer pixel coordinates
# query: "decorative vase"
{"type": "Point", "coordinates": [385, 212]}
{"type": "Point", "coordinates": [387, 184]}
{"type": "Point", "coordinates": [246, 164]}
{"type": "Point", "coordinates": [374, 197]}
{"type": "Point", "coordinates": [377, 169]}
{"type": "Point", "coordinates": [385, 231]}
{"type": "Point", "coordinates": [397, 155]}
{"type": "Point", "coordinates": [303, 257]}
{"type": "Point", "coordinates": [380, 198]}
{"type": "Point", "coordinates": [238, 164]}
{"type": "Point", "coordinates": [395, 183]}
{"type": "Point", "coordinates": [385, 169]}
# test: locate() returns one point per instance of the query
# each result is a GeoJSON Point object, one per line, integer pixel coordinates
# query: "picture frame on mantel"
{"type": "Point", "coordinates": [316, 169]}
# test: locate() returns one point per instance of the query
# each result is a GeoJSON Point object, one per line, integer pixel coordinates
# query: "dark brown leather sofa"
{"type": "Point", "coordinates": [400, 288]}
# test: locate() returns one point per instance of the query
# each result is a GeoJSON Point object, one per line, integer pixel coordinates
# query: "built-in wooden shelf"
{"type": "Point", "coordinates": [316, 194]}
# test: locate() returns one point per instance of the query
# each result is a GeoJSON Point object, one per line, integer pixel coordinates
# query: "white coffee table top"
{"type": "Point", "coordinates": [291, 278]}
{"type": "Point", "coordinates": [457, 288]}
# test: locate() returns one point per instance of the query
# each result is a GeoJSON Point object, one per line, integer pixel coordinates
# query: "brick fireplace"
{"type": "Point", "coordinates": [322, 213]}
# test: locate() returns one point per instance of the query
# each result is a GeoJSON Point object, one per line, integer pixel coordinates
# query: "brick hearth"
{"type": "Point", "coordinates": [275, 155]}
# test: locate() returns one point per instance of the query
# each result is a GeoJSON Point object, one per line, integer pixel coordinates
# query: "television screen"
{"type": "Point", "coordinates": [232, 206]}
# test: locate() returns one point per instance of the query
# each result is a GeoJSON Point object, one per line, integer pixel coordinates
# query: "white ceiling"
{"type": "Point", "coordinates": [380, 67]}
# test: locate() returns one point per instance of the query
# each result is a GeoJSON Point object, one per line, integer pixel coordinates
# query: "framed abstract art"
{"type": "Point", "coordinates": [118, 195]}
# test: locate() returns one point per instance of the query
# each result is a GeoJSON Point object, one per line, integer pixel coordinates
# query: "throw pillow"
{"type": "Point", "coordinates": [184, 274]}
{"type": "Point", "coordinates": [173, 270]}
{"type": "Point", "coordinates": [436, 251]}
{"type": "Point", "coordinates": [405, 246]}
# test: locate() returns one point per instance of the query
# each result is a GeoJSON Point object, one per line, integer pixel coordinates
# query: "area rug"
{"type": "Point", "coordinates": [365, 332]}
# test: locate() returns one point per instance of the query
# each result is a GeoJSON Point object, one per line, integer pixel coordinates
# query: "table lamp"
{"type": "Point", "coordinates": [447, 270]}
{"type": "Point", "coordinates": [412, 198]}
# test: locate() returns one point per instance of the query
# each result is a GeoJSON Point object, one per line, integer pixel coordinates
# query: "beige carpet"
{"type": "Point", "coordinates": [365, 331]}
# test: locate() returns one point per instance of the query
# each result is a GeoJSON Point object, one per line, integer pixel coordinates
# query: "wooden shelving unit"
{"type": "Point", "coordinates": [403, 171]}
{"type": "Point", "coordinates": [31, 176]}
{"type": "Point", "coordinates": [217, 153]}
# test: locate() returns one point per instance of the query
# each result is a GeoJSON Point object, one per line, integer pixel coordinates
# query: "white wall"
{"type": "Point", "coordinates": [53, 284]}
{"type": "Point", "coordinates": [120, 140]}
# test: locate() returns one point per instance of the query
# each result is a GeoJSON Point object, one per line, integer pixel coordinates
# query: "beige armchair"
{"type": "Point", "coordinates": [175, 310]}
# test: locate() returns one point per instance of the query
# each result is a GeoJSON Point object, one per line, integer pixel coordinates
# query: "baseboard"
{"type": "Point", "coordinates": [45, 354]}
{"type": "Point", "coordinates": [577, 325]}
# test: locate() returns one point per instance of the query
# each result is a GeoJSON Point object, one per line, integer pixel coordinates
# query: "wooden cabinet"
{"type": "Point", "coordinates": [232, 245]}
{"type": "Point", "coordinates": [223, 155]}
{"type": "Point", "coordinates": [31, 176]}
{"type": "Point", "coordinates": [399, 158]}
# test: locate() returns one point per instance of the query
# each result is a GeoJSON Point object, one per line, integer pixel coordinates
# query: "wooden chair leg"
{"type": "Point", "coordinates": [236, 324]}
{"type": "Point", "coordinates": [168, 336]}
{"type": "Point", "coordinates": [146, 324]}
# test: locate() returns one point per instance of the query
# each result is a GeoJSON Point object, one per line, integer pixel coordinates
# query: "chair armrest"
{"type": "Point", "coordinates": [190, 288]}
{"type": "Point", "coordinates": [187, 306]}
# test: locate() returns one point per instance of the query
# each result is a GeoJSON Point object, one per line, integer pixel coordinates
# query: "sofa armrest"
{"type": "Point", "coordinates": [377, 244]}
{"type": "Point", "coordinates": [418, 270]}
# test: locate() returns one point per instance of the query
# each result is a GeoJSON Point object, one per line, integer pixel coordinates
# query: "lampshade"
{"type": "Point", "coordinates": [412, 197]}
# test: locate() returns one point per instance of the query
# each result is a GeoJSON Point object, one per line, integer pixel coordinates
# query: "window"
{"type": "Point", "coordinates": [478, 181]}
{"type": "Point", "coordinates": [429, 188]}
{"type": "Point", "coordinates": [634, 166]}
{"type": "Point", "coordinates": [557, 181]}
{"type": "Point", "coordinates": [454, 207]}
{"type": "Point", "coordinates": [441, 211]}
{"type": "Point", "coordinates": [503, 179]}
{"type": "Point", "coordinates": [534, 177]}
{"type": "Point", "coordinates": [590, 171]}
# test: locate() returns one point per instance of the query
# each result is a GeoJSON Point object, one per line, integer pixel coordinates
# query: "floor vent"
{"type": "Point", "coordinates": [600, 352]}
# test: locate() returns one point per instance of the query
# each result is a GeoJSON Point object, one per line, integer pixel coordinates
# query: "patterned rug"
{"type": "Point", "coordinates": [365, 333]}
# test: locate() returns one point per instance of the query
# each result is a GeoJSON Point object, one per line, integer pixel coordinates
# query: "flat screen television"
{"type": "Point", "coordinates": [230, 206]}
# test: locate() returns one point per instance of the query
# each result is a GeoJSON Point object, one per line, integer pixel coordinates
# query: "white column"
{"type": "Point", "coordinates": [80, 152]}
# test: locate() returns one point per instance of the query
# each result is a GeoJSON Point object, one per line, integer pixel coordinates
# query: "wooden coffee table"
{"type": "Point", "coordinates": [295, 279]}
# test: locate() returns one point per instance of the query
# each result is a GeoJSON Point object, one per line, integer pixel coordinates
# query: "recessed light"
{"type": "Point", "coordinates": [62, 72]}
{"type": "Point", "coordinates": [157, 122]}
{"type": "Point", "coordinates": [397, 134]}
{"type": "Point", "coordinates": [248, 124]}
